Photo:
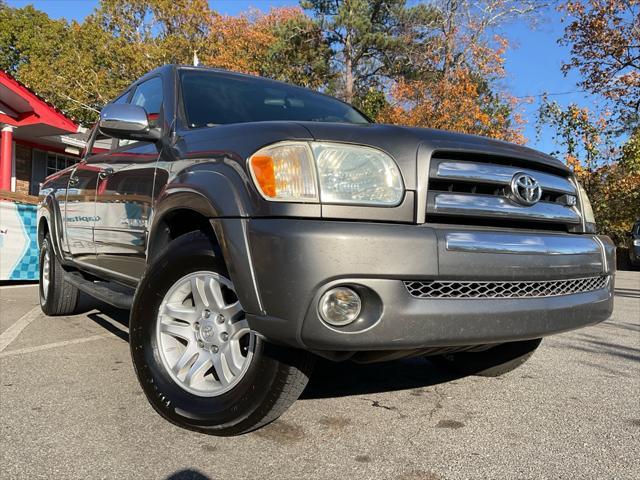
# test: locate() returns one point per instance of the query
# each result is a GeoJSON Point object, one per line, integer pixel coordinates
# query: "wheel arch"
{"type": "Point", "coordinates": [182, 211]}
{"type": "Point", "coordinates": [50, 222]}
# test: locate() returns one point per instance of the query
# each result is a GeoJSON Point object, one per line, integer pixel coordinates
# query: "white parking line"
{"type": "Point", "coordinates": [48, 346]}
{"type": "Point", "coordinates": [11, 333]}
{"type": "Point", "coordinates": [8, 287]}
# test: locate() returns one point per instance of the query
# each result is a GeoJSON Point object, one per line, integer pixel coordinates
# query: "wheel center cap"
{"type": "Point", "coordinates": [208, 332]}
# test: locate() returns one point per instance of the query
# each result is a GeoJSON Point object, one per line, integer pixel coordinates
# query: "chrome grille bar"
{"type": "Point", "coordinates": [529, 244]}
{"type": "Point", "coordinates": [488, 173]}
{"type": "Point", "coordinates": [489, 206]}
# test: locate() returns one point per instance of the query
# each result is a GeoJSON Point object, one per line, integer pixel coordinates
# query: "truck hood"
{"type": "Point", "coordinates": [402, 143]}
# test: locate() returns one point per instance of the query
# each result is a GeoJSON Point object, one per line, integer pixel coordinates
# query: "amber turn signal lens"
{"type": "Point", "coordinates": [285, 172]}
{"type": "Point", "coordinates": [264, 174]}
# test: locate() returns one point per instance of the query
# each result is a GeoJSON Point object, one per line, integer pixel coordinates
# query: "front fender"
{"type": "Point", "coordinates": [213, 196]}
{"type": "Point", "coordinates": [50, 217]}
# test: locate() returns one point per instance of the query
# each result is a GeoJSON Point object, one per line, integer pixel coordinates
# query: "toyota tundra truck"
{"type": "Point", "coordinates": [251, 227]}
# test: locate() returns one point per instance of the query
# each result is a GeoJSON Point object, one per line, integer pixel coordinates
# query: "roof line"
{"type": "Point", "coordinates": [46, 111]}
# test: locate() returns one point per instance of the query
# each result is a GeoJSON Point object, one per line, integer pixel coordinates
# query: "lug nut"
{"type": "Point", "coordinates": [196, 326]}
{"type": "Point", "coordinates": [206, 313]}
{"type": "Point", "coordinates": [224, 336]}
{"type": "Point", "coordinates": [214, 348]}
{"type": "Point", "coordinates": [200, 343]}
{"type": "Point", "coordinates": [220, 318]}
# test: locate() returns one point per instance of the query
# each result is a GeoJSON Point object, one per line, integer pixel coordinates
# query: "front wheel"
{"type": "Point", "coordinates": [492, 362]}
{"type": "Point", "coordinates": [200, 365]}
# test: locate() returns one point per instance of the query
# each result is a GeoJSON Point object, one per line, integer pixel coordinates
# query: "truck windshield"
{"type": "Point", "coordinates": [214, 98]}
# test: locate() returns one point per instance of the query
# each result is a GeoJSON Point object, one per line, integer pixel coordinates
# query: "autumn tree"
{"type": "Point", "coordinates": [604, 36]}
{"type": "Point", "coordinates": [170, 31]}
{"type": "Point", "coordinates": [609, 174]}
{"type": "Point", "coordinates": [457, 87]}
{"type": "Point", "coordinates": [583, 139]}
{"type": "Point", "coordinates": [619, 202]}
{"type": "Point", "coordinates": [370, 41]}
{"type": "Point", "coordinates": [283, 44]}
{"type": "Point", "coordinates": [81, 66]}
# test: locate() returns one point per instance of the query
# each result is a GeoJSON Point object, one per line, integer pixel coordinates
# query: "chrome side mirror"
{"type": "Point", "coordinates": [126, 121]}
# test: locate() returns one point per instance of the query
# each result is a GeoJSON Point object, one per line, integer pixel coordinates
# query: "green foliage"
{"type": "Point", "coordinates": [371, 40]}
{"type": "Point", "coordinates": [19, 41]}
{"type": "Point", "coordinates": [610, 176]}
{"type": "Point", "coordinates": [356, 49]}
{"type": "Point", "coordinates": [299, 54]}
{"type": "Point", "coordinates": [583, 139]}
{"type": "Point", "coordinates": [372, 103]}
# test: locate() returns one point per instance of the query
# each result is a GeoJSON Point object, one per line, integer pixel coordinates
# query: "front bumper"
{"type": "Point", "coordinates": [295, 261]}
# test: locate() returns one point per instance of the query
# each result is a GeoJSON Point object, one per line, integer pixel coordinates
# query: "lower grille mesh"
{"type": "Point", "coordinates": [551, 288]}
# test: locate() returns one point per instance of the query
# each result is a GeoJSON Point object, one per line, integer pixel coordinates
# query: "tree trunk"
{"type": "Point", "coordinates": [348, 67]}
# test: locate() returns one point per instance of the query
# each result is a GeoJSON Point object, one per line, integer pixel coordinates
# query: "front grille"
{"type": "Point", "coordinates": [526, 289]}
{"type": "Point", "coordinates": [477, 190]}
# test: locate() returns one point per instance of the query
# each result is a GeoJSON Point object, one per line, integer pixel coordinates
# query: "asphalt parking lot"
{"type": "Point", "coordinates": [70, 407]}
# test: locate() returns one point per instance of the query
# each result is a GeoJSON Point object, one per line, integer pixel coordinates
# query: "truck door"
{"type": "Point", "coordinates": [80, 208]}
{"type": "Point", "coordinates": [125, 192]}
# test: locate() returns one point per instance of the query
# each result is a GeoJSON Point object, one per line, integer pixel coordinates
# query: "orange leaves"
{"type": "Point", "coordinates": [239, 42]}
{"type": "Point", "coordinates": [456, 103]}
{"type": "Point", "coordinates": [282, 44]}
{"type": "Point", "coordinates": [610, 175]}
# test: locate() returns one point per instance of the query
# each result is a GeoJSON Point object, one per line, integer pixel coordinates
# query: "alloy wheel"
{"type": "Point", "coordinates": [203, 337]}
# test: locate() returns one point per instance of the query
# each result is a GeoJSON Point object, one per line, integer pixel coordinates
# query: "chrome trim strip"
{"type": "Point", "coordinates": [498, 174]}
{"type": "Point", "coordinates": [498, 207]}
{"type": "Point", "coordinates": [514, 243]}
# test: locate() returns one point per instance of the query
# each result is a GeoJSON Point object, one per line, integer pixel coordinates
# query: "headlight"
{"type": "Point", "coordinates": [587, 211]}
{"type": "Point", "coordinates": [346, 174]}
{"type": "Point", "coordinates": [636, 242]}
{"type": "Point", "coordinates": [356, 174]}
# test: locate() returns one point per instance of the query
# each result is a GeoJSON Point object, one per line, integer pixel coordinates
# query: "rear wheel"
{"type": "Point", "coordinates": [200, 365]}
{"type": "Point", "coordinates": [57, 296]}
{"type": "Point", "coordinates": [493, 362]}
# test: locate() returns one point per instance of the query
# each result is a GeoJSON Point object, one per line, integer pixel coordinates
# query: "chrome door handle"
{"type": "Point", "coordinates": [105, 173]}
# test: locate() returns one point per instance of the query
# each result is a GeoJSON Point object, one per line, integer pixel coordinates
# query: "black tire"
{"type": "Point", "coordinates": [60, 297]}
{"type": "Point", "coordinates": [275, 378]}
{"type": "Point", "coordinates": [493, 362]}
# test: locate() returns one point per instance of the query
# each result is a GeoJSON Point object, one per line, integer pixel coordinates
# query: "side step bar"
{"type": "Point", "coordinates": [105, 291]}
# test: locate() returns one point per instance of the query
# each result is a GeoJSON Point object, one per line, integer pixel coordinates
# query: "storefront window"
{"type": "Point", "coordinates": [57, 162]}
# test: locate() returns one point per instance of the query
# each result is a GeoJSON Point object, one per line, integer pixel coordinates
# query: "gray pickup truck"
{"type": "Point", "coordinates": [252, 226]}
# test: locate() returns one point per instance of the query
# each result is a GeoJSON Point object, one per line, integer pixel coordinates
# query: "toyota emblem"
{"type": "Point", "coordinates": [525, 189]}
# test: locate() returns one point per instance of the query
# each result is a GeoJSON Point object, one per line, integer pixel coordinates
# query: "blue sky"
{"type": "Point", "coordinates": [533, 66]}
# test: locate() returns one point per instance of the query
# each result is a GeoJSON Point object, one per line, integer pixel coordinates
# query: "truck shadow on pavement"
{"type": "Point", "coordinates": [343, 379]}
{"type": "Point", "coordinates": [188, 474]}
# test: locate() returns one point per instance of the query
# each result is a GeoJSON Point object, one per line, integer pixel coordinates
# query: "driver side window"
{"type": "Point", "coordinates": [147, 95]}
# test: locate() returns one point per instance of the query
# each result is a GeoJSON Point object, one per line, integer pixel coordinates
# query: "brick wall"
{"type": "Point", "coordinates": [23, 169]}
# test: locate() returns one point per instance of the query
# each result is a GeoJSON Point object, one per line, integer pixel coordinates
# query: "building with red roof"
{"type": "Point", "coordinates": [37, 139]}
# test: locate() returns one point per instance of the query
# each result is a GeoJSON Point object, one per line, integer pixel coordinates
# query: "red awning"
{"type": "Point", "coordinates": [21, 108]}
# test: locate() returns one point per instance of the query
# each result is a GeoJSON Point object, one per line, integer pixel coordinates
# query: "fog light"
{"type": "Point", "coordinates": [340, 306]}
